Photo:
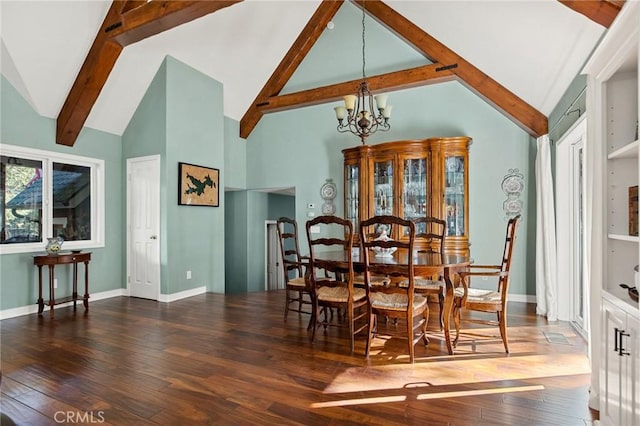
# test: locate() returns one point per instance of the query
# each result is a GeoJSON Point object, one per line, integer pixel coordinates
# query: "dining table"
{"type": "Point", "coordinates": [424, 264]}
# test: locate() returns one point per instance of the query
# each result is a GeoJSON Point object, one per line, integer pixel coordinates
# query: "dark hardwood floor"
{"type": "Point", "coordinates": [231, 360]}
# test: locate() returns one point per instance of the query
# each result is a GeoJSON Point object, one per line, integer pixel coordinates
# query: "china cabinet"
{"type": "Point", "coordinates": [612, 155]}
{"type": "Point", "coordinates": [411, 179]}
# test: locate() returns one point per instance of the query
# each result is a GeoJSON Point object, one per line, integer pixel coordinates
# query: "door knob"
{"type": "Point", "coordinates": [154, 237]}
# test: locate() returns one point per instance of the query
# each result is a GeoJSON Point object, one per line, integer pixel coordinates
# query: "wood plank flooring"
{"type": "Point", "coordinates": [232, 360]}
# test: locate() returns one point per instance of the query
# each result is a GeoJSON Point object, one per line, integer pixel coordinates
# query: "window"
{"type": "Point", "coordinates": [45, 194]}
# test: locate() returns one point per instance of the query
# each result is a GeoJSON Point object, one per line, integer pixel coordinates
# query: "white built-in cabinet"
{"type": "Point", "coordinates": [612, 253]}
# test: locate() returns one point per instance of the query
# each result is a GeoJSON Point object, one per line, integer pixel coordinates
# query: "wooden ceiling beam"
{"type": "Point", "coordinates": [125, 23]}
{"type": "Point", "coordinates": [288, 65]}
{"type": "Point", "coordinates": [523, 114]}
{"type": "Point", "coordinates": [602, 12]}
{"type": "Point", "coordinates": [397, 80]}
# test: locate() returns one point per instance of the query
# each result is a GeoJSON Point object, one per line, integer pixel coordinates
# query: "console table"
{"type": "Point", "coordinates": [51, 260]}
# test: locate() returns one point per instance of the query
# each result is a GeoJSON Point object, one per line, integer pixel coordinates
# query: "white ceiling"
{"type": "Point", "coordinates": [533, 48]}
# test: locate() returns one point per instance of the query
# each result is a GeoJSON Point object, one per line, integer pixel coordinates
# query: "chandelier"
{"type": "Point", "coordinates": [361, 117]}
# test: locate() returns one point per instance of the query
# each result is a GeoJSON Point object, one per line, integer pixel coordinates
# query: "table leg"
{"type": "Point", "coordinates": [75, 284]}
{"type": "Point", "coordinates": [52, 297]}
{"type": "Point", "coordinates": [85, 300]}
{"type": "Point", "coordinates": [448, 305]}
{"type": "Point", "coordinates": [307, 279]}
{"type": "Point", "coordinates": [40, 299]}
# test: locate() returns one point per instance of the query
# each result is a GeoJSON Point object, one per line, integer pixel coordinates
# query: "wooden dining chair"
{"type": "Point", "coordinates": [334, 234]}
{"type": "Point", "coordinates": [392, 301]}
{"type": "Point", "coordinates": [297, 290]}
{"type": "Point", "coordinates": [492, 301]}
{"type": "Point", "coordinates": [432, 232]}
{"type": "Point", "coordinates": [375, 279]}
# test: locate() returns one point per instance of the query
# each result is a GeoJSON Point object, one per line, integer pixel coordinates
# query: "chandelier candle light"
{"type": "Point", "coordinates": [358, 109]}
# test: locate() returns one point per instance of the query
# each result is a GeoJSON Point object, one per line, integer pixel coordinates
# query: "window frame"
{"type": "Point", "coordinates": [97, 172]}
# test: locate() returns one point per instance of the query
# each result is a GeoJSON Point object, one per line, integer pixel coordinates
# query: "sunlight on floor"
{"type": "Point", "coordinates": [435, 395]}
{"type": "Point", "coordinates": [455, 371]}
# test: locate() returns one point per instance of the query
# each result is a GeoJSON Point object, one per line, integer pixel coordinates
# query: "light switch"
{"type": "Point", "coordinates": [315, 229]}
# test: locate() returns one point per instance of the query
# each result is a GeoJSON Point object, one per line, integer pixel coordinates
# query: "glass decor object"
{"type": "Point", "coordinates": [54, 245]}
{"type": "Point", "coordinates": [454, 193]}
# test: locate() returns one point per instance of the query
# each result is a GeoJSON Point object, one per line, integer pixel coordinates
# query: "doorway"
{"type": "Point", "coordinates": [274, 274]}
{"type": "Point", "coordinates": [143, 227]}
{"type": "Point", "coordinates": [573, 299]}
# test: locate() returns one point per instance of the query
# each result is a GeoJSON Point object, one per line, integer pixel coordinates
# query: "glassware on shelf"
{"type": "Point", "coordinates": [351, 207]}
{"type": "Point", "coordinates": [455, 215]}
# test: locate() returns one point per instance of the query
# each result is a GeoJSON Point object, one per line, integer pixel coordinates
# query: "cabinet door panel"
{"type": "Point", "coordinates": [352, 193]}
{"type": "Point", "coordinates": [414, 193]}
{"type": "Point", "coordinates": [454, 195]}
{"type": "Point", "coordinates": [383, 190]}
{"type": "Point", "coordinates": [613, 375]}
{"type": "Point", "coordinates": [633, 368]}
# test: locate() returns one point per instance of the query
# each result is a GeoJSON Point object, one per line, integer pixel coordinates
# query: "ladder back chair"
{"type": "Point", "coordinates": [393, 301]}
{"type": "Point", "coordinates": [336, 237]}
{"type": "Point", "coordinates": [432, 231]}
{"type": "Point", "coordinates": [297, 290]}
{"type": "Point", "coordinates": [492, 301]}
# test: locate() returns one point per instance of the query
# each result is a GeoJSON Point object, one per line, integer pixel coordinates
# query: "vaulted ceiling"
{"type": "Point", "coordinates": [90, 62]}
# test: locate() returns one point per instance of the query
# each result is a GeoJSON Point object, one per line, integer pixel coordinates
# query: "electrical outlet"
{"type": "Point", "coordinates": [55, 283]}
{"type": "Point", "coordinates": [188, 275]}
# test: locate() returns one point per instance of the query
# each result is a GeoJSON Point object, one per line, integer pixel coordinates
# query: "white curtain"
{"type": "Point", "coordinates": [546, 258]}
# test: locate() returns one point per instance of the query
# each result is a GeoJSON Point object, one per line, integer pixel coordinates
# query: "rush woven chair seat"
{"type": "Point", "coordinates": [376, 280]}
{"type": "Point", "coordinates": [338, 291]}
{"type": "Point", "coordinates": [491, 301]}
{"type": "Point", "coordinates": [401, 303]}
{"type": "Point", "coordinates": [297, 290]}
{"type": "Point", "coordinates": [431, 231]}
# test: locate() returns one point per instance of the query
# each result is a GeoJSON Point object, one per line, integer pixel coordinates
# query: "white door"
{"type": "Point", "coordinates": [573, 298]}
{"type": "Point", "coordinates": [274, 272]}
{"type": "Point", "coordinates": [143, 225]}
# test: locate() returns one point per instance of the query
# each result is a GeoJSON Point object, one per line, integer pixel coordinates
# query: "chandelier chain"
{"type": "Point", "coordinates": [363, 44]}
{"type": "Point", "coordinates": [359, 115]}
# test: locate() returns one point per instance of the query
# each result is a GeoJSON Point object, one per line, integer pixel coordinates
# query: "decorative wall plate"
{"type": "Point", "coordinates": [328, 191]}
{"type": "Point", "coordinates": [513, 185]}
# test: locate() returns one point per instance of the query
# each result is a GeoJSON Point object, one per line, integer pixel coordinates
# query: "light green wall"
{"type": "Point", "coordinates": [146, 135]}
{"type": "Point", "coordinates": [195, 134]}
{"type": "Point", "coordinates": [258, 212]}
{"type": "Point", "coordinates": [22, 126]}
{"type": "Point", "coordinates": [337, 55]}
{"type": "Point", "coordinates": [235, 155]}
{"type": "Point", "coordinates": [236, 210]}
{"type": "Point", "coordinates": [304, 142]}
{"type": "Point", "coordinates": [245, 216]}
{"type": "Point", "coordinates": [181, 118]}
{"type": "Point", "coordinates": [571, 106]}
{"type": "Point", "coordinates": [281, 205]}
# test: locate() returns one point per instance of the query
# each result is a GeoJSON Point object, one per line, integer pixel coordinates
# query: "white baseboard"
{"type": "Point", "coordinates": [526, 298]}
{"type": "Point", "coordinates": [182, 295]}
{"type": "Point", "coordinates": [32, 309]}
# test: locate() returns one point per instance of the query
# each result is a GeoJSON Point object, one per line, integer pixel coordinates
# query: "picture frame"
{"type": "Point", "coordinates": [198, 185]}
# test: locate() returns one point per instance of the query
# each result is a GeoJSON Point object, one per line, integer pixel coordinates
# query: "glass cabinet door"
{"type": "Point", "coordinates": [383, 187]}
{"type": "Point", "coordinates": [414, 189]}
{"type": "Point", "coordinates": [454, 193]}
{"type": "Point", "coordinates": [352, 182]}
